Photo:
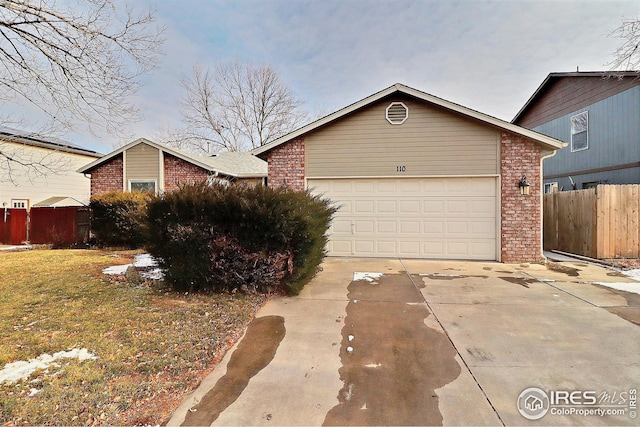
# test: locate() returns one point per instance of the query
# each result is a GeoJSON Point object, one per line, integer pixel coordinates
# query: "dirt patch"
{"type": "Point", "coordinates": [392, 362]}
{"type": "Point", "coordinates": [522, 281]}
{"type": "Point", "coordinates": [254, 353]}
{"type": "Point", "coordinates": [569, 271]}
{"type": "Point", "coordinates": [632, 314]}
{"type": "Point", "coordinates": [632, 311]}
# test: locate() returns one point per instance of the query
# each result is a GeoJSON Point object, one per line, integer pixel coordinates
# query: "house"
{"type": "Point", "coordinates": [147, 165]}
{"type": "Point", "coordinates": [598, 115]}
{"type": "Point", "coordinates": [417, 176]}
{"type": "Point", "coordinates": [41, 168]}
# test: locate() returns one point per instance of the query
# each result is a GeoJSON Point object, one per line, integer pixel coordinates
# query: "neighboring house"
{"type": "Point", "coordinates": [598, 115]}
{"type": "Point", "coordinates": [41, 168]}
{"type": "Point", "coordinates": [419, 177]}
{"type": "Point", "coordinates": [147, 165]}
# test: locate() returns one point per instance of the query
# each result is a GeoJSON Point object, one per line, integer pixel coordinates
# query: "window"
{"type": "Point", "coordinates": [580, 132]}
{"type": "Point", "coordinates": [142, 185]}
{"type": "Point", "coordinates": [551, 187]}
{"type": "Point", "coordinates": [19, 203]}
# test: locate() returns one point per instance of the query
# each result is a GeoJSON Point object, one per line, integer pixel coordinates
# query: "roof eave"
{"type": "Point", "coordinates": [558, 75]}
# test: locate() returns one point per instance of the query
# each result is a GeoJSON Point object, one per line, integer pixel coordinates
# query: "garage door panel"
{"type": "Point", "coordinates": [410, 227]}
{"type": "Point", "coordinates": [363, 207]}
{"type": "Point", "coordinates": [433, 207]}
{"type": "Point", "coordinates": [365, 186]}
{"type": "Point", "coordinates": [387, 248]}
{"type": "Point", "coordinates": [409, 248]}
{"type": "Point", "coordinates": [458, 249]}
{"type": "Point", "coordinates": [483, 228]}
{"type": "Point", "coordinates": [365, 247]}
{"type": "Point", "coordinates": [340, 226]}
{"type": "Point", "coordinates": [409, 206]}
{"type": "Point", "coordinates": [433, 228]}
{"type": "Point", "coordinates": [457, 227]}
{"type": "Point", "coordinates": [387, 206]}
{"type": "Point", "coordinates": [482, 206]}
{"type": "Point", "coordinates": [412, 217]}
{"type": "Point", "coordinates": [433, 248]}
{"type": "Point", "coordinates": [387, 227]}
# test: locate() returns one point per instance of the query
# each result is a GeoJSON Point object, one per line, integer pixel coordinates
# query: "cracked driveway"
{"type": "Point", "coordinates": [421, 342]}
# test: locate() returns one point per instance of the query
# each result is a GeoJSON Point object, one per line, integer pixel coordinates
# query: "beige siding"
{"type": "Point", "coordinates": [142, 162]}
{"type": "Point", "coordinates": [430, 142]}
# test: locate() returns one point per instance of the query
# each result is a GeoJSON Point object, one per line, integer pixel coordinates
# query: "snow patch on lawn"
{"type": "Point", "coordinates": [369, 277]}
{"type": "Point", "coordinates": [21, 369]}
{"type": "Point", "coordinates": [141, 261]}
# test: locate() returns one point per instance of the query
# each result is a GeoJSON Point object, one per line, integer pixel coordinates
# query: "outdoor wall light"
{"type": "Point", "coordinates": [524, 186]}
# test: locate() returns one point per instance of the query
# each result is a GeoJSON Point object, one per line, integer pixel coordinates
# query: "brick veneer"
{"type": "Point", "coordinates": [107, 177]}
{"type": "Point", "coordinates": [286, 165]}
{"type": "Point", "coordinates": [178, 171]}
{"type": "Point", "coordinates": [520, 214]}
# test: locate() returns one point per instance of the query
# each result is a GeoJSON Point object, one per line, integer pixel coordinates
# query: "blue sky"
{"type": "Point", "coordinates": [486, 55]}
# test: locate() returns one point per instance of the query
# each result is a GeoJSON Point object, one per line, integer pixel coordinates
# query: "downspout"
{"type": "Point", "coordinates": [541, 185]}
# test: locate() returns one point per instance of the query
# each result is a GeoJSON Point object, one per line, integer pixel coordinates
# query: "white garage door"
{"type": "Point", "coordinates": [448, 218]}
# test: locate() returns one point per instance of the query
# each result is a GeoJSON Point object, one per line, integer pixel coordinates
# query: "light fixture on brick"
{"type": "Point", "coordinates": [524, 186]}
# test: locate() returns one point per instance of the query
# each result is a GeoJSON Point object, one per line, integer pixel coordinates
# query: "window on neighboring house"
{"type": "Point", "coordinates": [580, 132]}
{"type": "Point", "coordinates": [19, 203]}
{"type": "Point", "coordinates": [551, 187]}
{"type": "Point", "coordinates": [141, 185]}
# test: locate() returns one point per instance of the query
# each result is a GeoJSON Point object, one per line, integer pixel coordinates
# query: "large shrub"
{"type": "Point", "coordinates": [215, 238]}
{"type": "Point", "coordinates": [118, 218]}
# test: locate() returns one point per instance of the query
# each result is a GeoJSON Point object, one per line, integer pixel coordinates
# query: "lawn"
{"type": "Point", "coordinates": [152, 346]}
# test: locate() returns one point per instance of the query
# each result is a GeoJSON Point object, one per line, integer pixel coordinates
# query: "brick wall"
{"type": "Point", "coordinates": [520, 214]}
{"type": "Point", "coordinates": [107, 177]}
{"type": "Point", "coordinates": [177, 171]}
{"type": "Point", "coordinates": [286, 165]}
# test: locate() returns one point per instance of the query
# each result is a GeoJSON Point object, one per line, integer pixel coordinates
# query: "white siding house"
{"type": "Point", "coordinates": [34, 168]}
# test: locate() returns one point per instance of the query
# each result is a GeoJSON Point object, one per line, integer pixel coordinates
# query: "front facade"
{"type": "Point", "coordinates": [598, 115]}
{"type": "Point", "coordinates": [416, 176]}
{"type": "Point", "coordinates": [149, 166]}
{"type": "Point", "coordinates": [41, 168]}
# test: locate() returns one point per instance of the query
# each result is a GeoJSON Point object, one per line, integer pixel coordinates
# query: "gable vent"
{"type": "Point", "coordinates": [397, 113]}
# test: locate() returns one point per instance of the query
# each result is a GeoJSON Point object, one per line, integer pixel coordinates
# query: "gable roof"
{"type": "Point", "coordinates": [59, 201]}
{"type": "Point", "coordinates": [553, 77]}
{"type": "Point", "coordinates": [233, 164]}
{"type": "Point", "coordinates": [8, 134]}
{"type": "Point", "coordinates": [398, 88]}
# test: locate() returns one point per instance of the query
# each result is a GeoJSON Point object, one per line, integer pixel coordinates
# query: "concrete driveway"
{"type": "Point", "coordinates": [417, 342]}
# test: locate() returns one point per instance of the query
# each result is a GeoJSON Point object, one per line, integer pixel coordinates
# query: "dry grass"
{"type": "Point", "coordinates": [153, 346]}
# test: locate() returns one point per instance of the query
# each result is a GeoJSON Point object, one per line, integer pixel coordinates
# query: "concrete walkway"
{"type": "Point", "coordinates": [418, 342]}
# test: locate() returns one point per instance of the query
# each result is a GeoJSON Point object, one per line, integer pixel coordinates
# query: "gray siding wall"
{"type": "Point", "coordinates": [142, 162]}
{"type": "Point", "coordinates": [429, 142]}
{"type": "Point", "coordinates": [614, 139]}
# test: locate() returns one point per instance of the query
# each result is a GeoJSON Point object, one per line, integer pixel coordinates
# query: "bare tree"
{"type": "Point", "coordinates": [76, 61]}
{"type": "Point", "coordinates": [20, 163]}
{"type": "Point", "coordinates": [235, 107]}
{"type": "Point", "coordinates": [627, 56]}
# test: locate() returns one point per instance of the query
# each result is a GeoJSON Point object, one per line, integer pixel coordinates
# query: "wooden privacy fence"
{"type": "Point", "coordinates": [61, 226]}
{"type": "Point", "coordinates": [601, 222]}
{"type": "Point", "coordinates": [13, 226]}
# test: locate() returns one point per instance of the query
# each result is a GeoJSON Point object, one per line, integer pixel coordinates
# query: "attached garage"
{"type": "Point", "coordinates": [415, 176]}
{"type": "Point", "coordinates": [451, 218]}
